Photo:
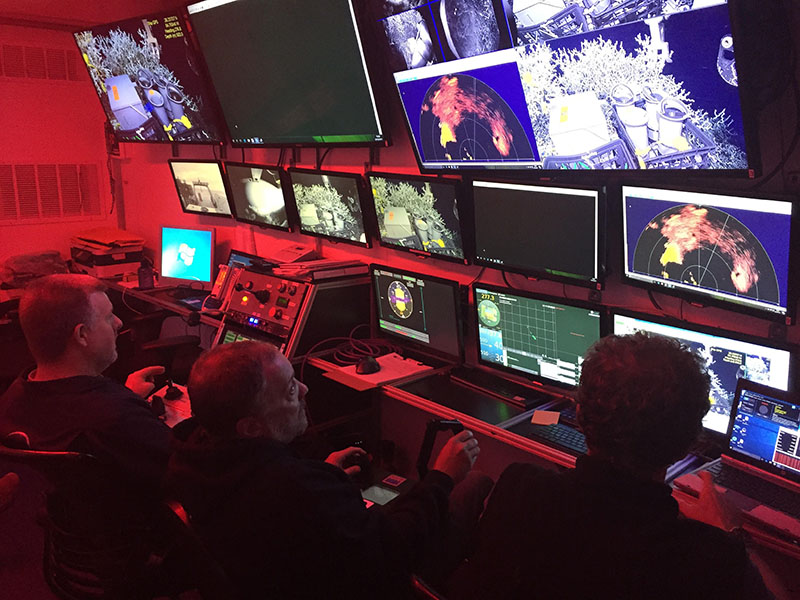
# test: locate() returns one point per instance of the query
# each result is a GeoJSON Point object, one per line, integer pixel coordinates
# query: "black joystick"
{"type": "Point", "coordinates": [172, 392]}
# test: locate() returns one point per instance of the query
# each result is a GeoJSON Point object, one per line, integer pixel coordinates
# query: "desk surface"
{"type": "Point", "coordinates": [160, 297]}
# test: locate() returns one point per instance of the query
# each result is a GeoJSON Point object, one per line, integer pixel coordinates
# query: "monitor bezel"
{"type": "Point", "coordinates": [697, 298]}
{"type": "Point", "coordinates": [204, 77]}
{"type": "Point", "coordinates": [372, 83]}
{"type": "Point", "coordinates": [460, 196]}
{"type": "Point", "coordinates": [359, 181]}
{"type": "Point", "coordinates": [166, 281]}
{"type": "Point", "coordinates": [536, 274]}
{"type": "Point", "coordinates": [715, 332]}
{"type": "Point", "coordinates": [408, 342]}
{"type": "Point", "coordinates": [784, 396]}
{"type": "Point", "coordinates": [748, 105]}
{"type": "Point", "coordinates": [234, 211]}
{"type": "Point", "coordinates": [216, 215]}
{"type": "Point", "coordinates": [603, 325]}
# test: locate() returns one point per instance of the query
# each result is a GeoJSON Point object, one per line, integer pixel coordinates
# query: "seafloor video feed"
{"type": "Point", "coordinates": [257, 195]}
{"type": "Point", "coordinates": [419, 215]}
{"type": "Point", "coordinates": [149, 81]}
{"type": "Point", "coordinates": [200, 187]}
{"type": "Point", "coordinates": [655, 94]}
{"type": "Point", "coordinates": [734, 252]}
{"type": "Point", "coordinates": [329, 205]}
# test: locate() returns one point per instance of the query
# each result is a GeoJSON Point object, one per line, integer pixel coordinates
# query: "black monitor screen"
{"type": "Point", "coordinates": [727, 360]}
{"type": "Point", "coordinates": [200, 187]}
{"type": "Point", "coordinates": [538, 230]}
{"type": "Point", "coordinates": [534, 335]}
{"type": "Point", "coordinates": [288, 72]}
{"type": "Point", "coordinates": [257, 195]}
{"type": "Point", "coordinates": [149, 81]}
{"type": "Point", "coordinates": [329, 205]}
{"type": "Point", "coordinates": [418, 308]}
{"type": "Point", "coordinates": [417, 213]}
{"type": "Point", "coordinates": [567, 85]}
{"type": "Point", "coordinates": [725, 248]}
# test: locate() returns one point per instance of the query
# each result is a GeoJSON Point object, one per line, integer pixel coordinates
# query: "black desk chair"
{"type": "Point", "coordinates": [83, 558]}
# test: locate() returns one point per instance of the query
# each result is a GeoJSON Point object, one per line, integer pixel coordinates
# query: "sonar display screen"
{"type": "Point", "coordinates": [640, 84]}
{"type": "Point", "coordinates": [148, 77]}
{"type": "Point", "coordinates": [418, 308]}
{"type": "Point", "coordinates": [418, 214]}
{"type": "Point", "coordinates": [534, 336]}
{"type": "Point", "coordinates": [727, 248]}
{"type": "Point", "coordinates": [726, 359]}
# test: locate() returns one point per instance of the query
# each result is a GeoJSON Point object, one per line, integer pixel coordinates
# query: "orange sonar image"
{"type": "Point", "coordinates": [450, 104]}
{"type": "Point", "coordinates": [691, 229]}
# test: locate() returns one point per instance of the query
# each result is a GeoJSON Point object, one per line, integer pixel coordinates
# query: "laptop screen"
{"type": "Point", "coordinates": [766, 427]}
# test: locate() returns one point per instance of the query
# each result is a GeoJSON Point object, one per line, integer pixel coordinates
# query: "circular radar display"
{"type": "Point", "coordinates": [708, 248]}
{"type": "Point", "coordinates": [488, 313]}
{"type": "Point", "coordinates": [400, 300]}
{"type": "Point", "coordinates": [463, 119]}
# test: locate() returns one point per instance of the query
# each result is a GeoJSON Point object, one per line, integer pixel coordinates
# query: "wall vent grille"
{"type": "Point", "coordinates": [34, 62]}
{"type": "Point", "coordinates": [44, 193]}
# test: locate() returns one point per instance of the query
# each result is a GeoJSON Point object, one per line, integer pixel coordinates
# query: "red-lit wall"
{"type": "Point", "coordinates": [42, 122]}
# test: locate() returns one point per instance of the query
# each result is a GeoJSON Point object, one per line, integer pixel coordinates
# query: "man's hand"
{"type": "Point", "coordinates": [711, 507]}
{"type": "Point", "coordinates": [141, 381]}
{"type": "Point", "coordinates": [348, 455]}
{"type": "Point", "coordinates": [458, 455]}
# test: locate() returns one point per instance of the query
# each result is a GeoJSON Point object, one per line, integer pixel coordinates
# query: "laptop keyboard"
{"type": "Point", "coordinates": [559, 435]}
{"type": "Point", "coordinates": [763, 491]}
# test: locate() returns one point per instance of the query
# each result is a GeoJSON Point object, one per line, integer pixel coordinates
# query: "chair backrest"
{"type": "Point", "coordinates": [200, 570]}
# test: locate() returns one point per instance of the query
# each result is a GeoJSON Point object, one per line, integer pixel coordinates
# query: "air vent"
{"type": "Point", "coordinates": [33, 62]}
{"type": "Point", "coordinates": [31, 193]}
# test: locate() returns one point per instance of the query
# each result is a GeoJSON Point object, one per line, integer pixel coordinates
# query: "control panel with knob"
{"type": "Point", "coordinates": [265, 302]}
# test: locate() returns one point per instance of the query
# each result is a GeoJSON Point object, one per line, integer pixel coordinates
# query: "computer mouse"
{"type": "Point", "coordinates": [368, 365]}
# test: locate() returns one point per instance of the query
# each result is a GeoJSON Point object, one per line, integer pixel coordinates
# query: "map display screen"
{"type": "Point", "coordinates": [534, 336]}
{"type": "Point", "coordinates": [727, 248]}
{"type": "Point", "coordinates": [727, 360]}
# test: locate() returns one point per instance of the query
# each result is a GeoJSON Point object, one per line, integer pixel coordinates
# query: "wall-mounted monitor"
{"type": "Point", "coordinates": [149, 80]}
{"type": "Point", "coordinates": [418, 214]}
{"type": "Point", "coordinates": [187, 257]}
{"type": "Point", "coordinates": [534, 336]}
{"type": "Point", "coordinates": [288, 73]}
{"type": "Point", "coordinates": [200, 187]}
{"type": "Point", "coordinates": [540, 231]}
{"type": "Point", "coordinates": [329, 204]}
{"type": "Point", "coordinates": [567, 85]}
{"type": "Point", "coordinates": [728, 357]}
{"type": "Point", "coordinates": [718, 248]}
{"type": "Point", "coordinates": [257, 194]}
{"type": "Point", "coordinates": [421, 310]}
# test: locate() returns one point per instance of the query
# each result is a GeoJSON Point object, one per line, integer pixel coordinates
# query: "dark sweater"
{"type": "Point", "coordinates": [596, 532]}
{"type": "Point", "coordinates": [287, 527]}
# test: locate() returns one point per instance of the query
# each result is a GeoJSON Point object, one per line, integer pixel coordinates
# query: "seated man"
{"type": "Point", "coordinates": [66, 404]}
{"type": "Point", "coordinates": [610, 528]}
{"type": "Point", "coordinates": [282, 526]}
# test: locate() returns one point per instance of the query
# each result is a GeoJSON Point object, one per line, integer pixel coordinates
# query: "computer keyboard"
{"type": "Point", "coordinates": [756, 488]}
{"type": "Point", "coordinates": [559, 436]}
{"type": "Point", "coordinates": [510, 391]}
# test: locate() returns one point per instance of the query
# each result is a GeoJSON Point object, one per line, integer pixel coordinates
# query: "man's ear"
{"type": "Point", "coordinates": [249, 427]}
{"type": "Point", "coordinates": [80, 335]}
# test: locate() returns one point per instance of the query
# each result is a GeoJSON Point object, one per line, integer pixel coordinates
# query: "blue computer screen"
{"type": "Point", "coordinates": [186, 253]}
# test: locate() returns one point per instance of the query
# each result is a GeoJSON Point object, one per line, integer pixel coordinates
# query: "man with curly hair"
{"type": "Point", "coordinates": [610, 528]}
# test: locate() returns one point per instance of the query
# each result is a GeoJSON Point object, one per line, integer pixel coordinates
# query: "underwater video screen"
{"type": "Point", "coordinates": [149, 80]}
{"type": "Point", "coordinates": [256, 193]}
{"type": "Point", "coordinates": [418, 214]}
{"type": "Point", "coordinates": [567, 84]}
{"type": "Point", "coordinates": [200, 187]}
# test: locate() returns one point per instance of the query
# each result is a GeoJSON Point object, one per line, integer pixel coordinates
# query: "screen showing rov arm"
{"type": "Point", "coordinates": [537, 229]}
{"type": "Point", "coordinates": [728, 248]}
{"type": "Point", "coordinates": [726, 360]}
{"type": "Point", "coordinates": [535, 336]}
{"type": "Point", "coordinates": [419, 309]}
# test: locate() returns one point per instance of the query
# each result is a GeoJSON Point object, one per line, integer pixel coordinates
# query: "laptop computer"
{"type": "Point", "coordinates": [759, 470]}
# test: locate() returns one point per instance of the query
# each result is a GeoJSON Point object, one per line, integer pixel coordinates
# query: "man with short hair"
{"type": "Point", "coordinates": [610, 528]}
{"type": "Point", "coordinates": [65, 403]}
{"type": "Point", "coordinates": [283, 526]}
